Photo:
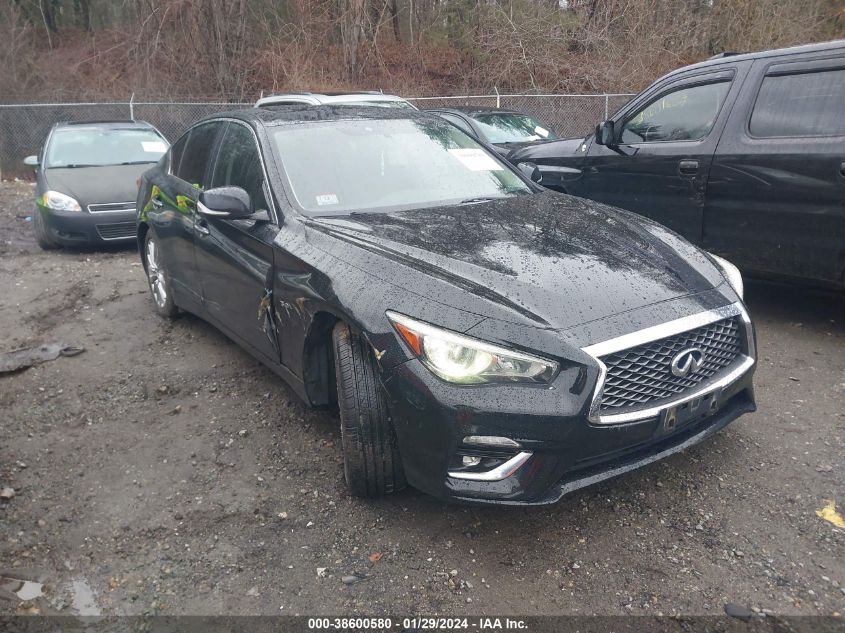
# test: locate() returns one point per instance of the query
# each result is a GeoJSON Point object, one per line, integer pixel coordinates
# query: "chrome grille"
{"type": "Point", "coordinates": [643, 374]}
{"type": "Point", "coordinates": [116, 231]}
{"type": "Point", "coordinates": [111, 207]}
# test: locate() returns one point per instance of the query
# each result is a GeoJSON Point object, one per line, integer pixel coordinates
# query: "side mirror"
{"type": "Point", "coordinates": [606, 134]}
{"type": "Point", "coordinates": [225, 202]}
{"type": "Point", "coordinates": [530, 171]}
{"type": "Point", "coordinates": [32, 161]}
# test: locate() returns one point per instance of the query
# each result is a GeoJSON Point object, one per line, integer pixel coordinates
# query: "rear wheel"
{"type": "Point", "coordinates": [371, 462]}
{"type": "Point", "coordinates": [42, 235]}
{"type": "Point", "coordinates": [158, 278]}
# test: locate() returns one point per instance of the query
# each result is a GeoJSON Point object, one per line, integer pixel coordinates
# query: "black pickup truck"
{"type": "Point", "coordinates": [741, 154]}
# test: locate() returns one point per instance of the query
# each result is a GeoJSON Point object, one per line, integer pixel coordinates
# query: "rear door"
{"type": "Point", "coordinates": [235, 257]}
{"type": "Point", "coordinates": [666, 141]}
{"type": "Point", "coordinates": [172, 209]}
{"type": "Point", "coordinates": [776, 196]}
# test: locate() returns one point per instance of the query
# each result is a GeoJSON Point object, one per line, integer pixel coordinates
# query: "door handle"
{"type": "Point", "coordinates": [688, 167]}
{"type": "Point", "coordinates": [157, 203]}
{"type": "Point", "coordinates": [842, 169]}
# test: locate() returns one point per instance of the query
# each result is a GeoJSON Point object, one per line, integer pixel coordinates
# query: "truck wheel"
{"type": "Point", "coordinates": [42, 235]}
{"type": "Point", "coordinates": [159, 280]}
{"type": "Point", "coordinates": [371, 462]}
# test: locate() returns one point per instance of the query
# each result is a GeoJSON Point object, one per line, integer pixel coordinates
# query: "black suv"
{"type": "Point", "coordinates": [742, 154]}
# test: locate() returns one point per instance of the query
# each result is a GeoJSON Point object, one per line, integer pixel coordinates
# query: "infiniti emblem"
{"type": "Point", "coordinates": [687, 362]}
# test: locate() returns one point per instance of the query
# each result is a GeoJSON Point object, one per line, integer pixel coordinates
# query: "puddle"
{"type": "Point", "coordinates": [30, 590]}
{"type": "Point", "coordinates": [23, 589]}
{"type": "Point", "coordinates": [83, 599]}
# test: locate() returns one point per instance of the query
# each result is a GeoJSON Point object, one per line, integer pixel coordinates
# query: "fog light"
{"type": "Point", "coordinates": [470, 460]}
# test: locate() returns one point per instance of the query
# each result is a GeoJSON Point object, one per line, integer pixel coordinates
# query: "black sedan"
{"type": "Point", "coordinates": [87, 180]}
{"type": "Point", "coordinates": [483, 339]}
{"type": "Point", "coordinates": [503, 130]}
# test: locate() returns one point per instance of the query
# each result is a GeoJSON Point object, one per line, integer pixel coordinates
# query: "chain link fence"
{"type": "Point", "coordinates": [23, 127]}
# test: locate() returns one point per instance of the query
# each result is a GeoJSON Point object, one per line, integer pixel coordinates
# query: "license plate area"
{"type": "Point", "coordinates": [690, 411]}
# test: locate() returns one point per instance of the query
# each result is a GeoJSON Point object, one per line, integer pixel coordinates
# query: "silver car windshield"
{"type": "Point", "coordinates": [510, 127]}
{"type": "Point", "coordinates": [336, 167]}
{"type": "Point", "coordinates": [95, 147]}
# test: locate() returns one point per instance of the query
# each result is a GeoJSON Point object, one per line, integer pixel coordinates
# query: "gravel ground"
{"type": "Point", "coordinates": [165, 471]}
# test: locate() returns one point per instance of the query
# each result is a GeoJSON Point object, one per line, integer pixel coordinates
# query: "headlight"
{"type": "Point", "coordinates": [731, 273]}
{"type": "Point", "coordinates": [464, 360]}
{"type": "Point", "coordinates": [59, 201]}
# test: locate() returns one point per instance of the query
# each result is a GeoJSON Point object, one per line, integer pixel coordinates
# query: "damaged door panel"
{"type": "Point", "coordinates": [236, 260]}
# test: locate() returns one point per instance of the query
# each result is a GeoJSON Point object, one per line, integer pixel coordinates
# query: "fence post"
{"type": "Point", "coordinates": [606, 106]}
{"type": "Point", "coordinates": [498, 98]}
{"type": "Point", "coordinates": [132, 107]}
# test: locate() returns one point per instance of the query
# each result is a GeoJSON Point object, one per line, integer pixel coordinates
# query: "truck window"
{"type": "Point", "coordinates": [687, 114]}
{"type": "Point", "coordinates": [805, 104]}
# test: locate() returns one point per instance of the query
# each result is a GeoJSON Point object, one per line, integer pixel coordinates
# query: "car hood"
{"type": "Point", "coordinates": [547, 149]}
{"type": "Point", "coordinates": [92, 185]}
{"type": "Point", "coordinates": [551, 260]}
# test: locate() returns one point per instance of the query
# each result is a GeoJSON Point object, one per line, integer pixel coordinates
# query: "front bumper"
{"type": "Point", "coordinates": [568, 446]}
{"type": "Point", "coordinates": [83, 228]}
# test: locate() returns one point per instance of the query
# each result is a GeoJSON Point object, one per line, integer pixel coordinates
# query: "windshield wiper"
{"type": "Point", "coordinates": [476, 200]}
{"type": "Point", "coordinates": [76, 166]}
{"type": "Point", "coordinates": [138, 162]}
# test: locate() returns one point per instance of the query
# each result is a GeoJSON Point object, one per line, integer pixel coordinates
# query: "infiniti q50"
{"type": "Point", "coordinates": [483, 339]}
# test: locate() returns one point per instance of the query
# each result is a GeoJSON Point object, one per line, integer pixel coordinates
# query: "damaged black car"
{"type": "Point", "coordinates": [484, 340]}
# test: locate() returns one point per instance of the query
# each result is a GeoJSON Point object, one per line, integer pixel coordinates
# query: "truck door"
{"type": "Point", "coordinates": [776, 196]}
{"type": "Point", "coordinates": [665, 141]}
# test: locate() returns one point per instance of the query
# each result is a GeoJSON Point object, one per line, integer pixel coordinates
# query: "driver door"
{"type": "Point", "coordinates": [666, 142]}
{"type": "Point", "coordinates": [235, 257]}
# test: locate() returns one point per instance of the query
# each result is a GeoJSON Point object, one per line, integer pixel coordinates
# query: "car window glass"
{"type": "Point", "coordinates": [176, 151]}
{"type": "Point", "coordinates": [451, 118]}
{"type": "Point", "coordinates": [512, 127]}
{"type": "Point", "coordinates": [687, 114]}
{"type": "Point", "coordinates": [807, 104]}
{"type": "Point", "coordinates": [239, 164]}
{"type": "Point", "coordinates": [96, 146]}
{"type": "Point", "coordinates": [197, 153]}
{"type": "Point", "coordinates": [368, 165]}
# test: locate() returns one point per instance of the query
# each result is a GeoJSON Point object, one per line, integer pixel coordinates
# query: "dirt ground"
{"type": "Point", "coordinates": [165, 471]}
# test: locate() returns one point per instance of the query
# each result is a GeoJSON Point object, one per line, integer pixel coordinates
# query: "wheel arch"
{"type": "Point", "coordinates": [143, 229]}
{"type": "Point", "coordinates": [318, 359]}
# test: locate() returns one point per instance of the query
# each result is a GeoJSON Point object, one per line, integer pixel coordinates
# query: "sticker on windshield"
{"type": "Point", "coordinates": [327, 198]}
{"type": "Point", "coordinates": [542, 131]}
{"type": "Point", "coordinates": [154, 146]}
{"type": "Point", "coordinates": [475, 159]}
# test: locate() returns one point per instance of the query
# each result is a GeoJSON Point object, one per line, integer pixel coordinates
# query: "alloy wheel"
{"type": "Point", "coordinates": [158, 285]}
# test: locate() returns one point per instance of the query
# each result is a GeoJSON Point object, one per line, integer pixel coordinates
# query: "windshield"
{"type": "Point", "coordinates": [89, 146]}
{"type": "Point", "coordinates": [335, 167]}
{"type": "Point", "coordinates": [512, 127]}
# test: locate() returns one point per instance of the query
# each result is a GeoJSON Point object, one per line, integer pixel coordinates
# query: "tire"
{"type": "Point", "coordinates": [42, 235]}
{"type": "Point", "coordinates": [158, 278]}
{"type": "Point", "coordinates": [371, 462]}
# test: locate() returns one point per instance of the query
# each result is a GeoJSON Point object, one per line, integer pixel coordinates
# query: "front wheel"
{"type": "Point", "coordinates": [42, 235]}
{"type": "Point", "coordinates": [371, 462]}
{"type": "Point", "coordinates": [158, 278]}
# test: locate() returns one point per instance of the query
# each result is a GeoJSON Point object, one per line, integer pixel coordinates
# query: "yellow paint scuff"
{"type": "Point", "coordinates": [829, 514]}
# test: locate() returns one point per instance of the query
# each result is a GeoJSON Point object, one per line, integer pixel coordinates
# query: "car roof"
{"type": "Point", "coordinates": [326, 98]}
{"type": "Point", "coordinates": [110, 123]}
{"type": "Point", "coordinates": [304, 113]}
{"type": "Point", "coordinates": [730, 58]}
{"type": "Point", "coordinates": [473, 110]}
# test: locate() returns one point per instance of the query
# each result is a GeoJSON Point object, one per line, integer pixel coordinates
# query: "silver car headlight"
{"type": "Point", "coordinates": [464, 360]}
{"type": "Point", "coordinates": [59, 201]}
{"type": "Point", "coordinates": [731, 273]}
